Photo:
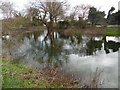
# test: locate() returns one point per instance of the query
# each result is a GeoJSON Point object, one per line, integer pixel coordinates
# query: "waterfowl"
{"type": "Point", "coordinates": [6, 36]}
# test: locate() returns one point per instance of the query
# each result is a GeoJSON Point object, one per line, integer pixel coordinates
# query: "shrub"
{"type": "Point", "coordinates": [63, 24]}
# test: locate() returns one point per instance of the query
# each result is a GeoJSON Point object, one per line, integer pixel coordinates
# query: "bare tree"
{"type": "Point", "coordinates": [73, 14]}
{"type": "Point", "coordinates": [32, 13]}
{"type": "Point", "coordinates": [7, 9]}
{"type": "Point", "coordinates": [82, 10]}
{"type": "Point", "coordinates": [48, 12]}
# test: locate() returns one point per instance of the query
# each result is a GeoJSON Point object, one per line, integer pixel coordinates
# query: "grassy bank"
{"type": "Point", "coordinates": [20, 24]}
{"type": "Point", "coordinates": [93, 31]}
{"type": "Point", "coordinates": [20, 76]}
{"type": "Point", "coordinates": [109, 26]}
{"type": "Point", "coordinates": [112, 32]}
{"type": "Point", "coordinates": [14, 31]}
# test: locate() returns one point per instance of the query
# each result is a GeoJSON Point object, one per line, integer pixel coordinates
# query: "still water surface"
{"type": "Point", "coordinates": [80, 55]}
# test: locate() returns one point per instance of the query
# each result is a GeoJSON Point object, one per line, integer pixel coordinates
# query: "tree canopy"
{"type": "Point", "coordinates": [95, 16]}
{"type": "Point", "coordinates": [113, 18]}
{"type": "Point", "coordinates": [48, 12]}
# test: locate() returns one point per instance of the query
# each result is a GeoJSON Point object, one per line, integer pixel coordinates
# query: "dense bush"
{"type": "Point", "coordinates": [63, 24]}
{"type": "Point", "coordinates": [81, 24]}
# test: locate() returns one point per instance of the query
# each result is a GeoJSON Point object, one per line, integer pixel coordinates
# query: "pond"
{"type": "Point", "coordinates": [80, 55]}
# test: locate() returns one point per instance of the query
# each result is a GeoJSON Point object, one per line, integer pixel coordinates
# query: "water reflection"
{"type": "Point", "coordinates": [78, 54]}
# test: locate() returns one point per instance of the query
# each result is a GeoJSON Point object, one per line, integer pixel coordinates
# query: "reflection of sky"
{"type": "Point", "coordinates": [98, 38]}
{"type": "Point", "coordinates": [110, 38]}
{"type": "Point", "coordinates": [116, 39]}
{"type": "Point", "coordinates": [88, 64]}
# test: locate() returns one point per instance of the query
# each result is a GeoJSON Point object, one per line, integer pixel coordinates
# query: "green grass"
{"type": "Point", "coordinates": [109, 25]}
{"type": "Point", "coordinates": [113, 25]}
{"type": "Point", "coordinates": [20, 76]}
{"type": "Point", "coordinates": [94, 31]}
{"type": "Point", "coordinates": [98, 25]}
{"type": "Point", "coordinates": [111, 31]}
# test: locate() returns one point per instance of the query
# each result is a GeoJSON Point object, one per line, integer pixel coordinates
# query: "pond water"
{"type": "Point", "coordinates": [81, 55]}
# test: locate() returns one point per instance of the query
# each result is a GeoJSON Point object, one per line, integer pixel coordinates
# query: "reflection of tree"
{"type": "Point", "coordinates": [63, 36]}
{"type": "Point", "coordinates": [83, 45]}
{"type": "Point", "coordinates": [110, 45]}
{"type": "Point", "coordinates": [55, 51]}
{"type": "Point", "coordinates": [51, 51]}
{"type": "Point", "coordinates": [53, 48]}
{"type": "Point", "coordinates": [34, 34]}
{"type": "Point", "coordinates": [105, 45]}
{"type": "Point", "coordinates": [93, 46]}
{"type": "Point", "coordinates": [48, 51]}
{"type": "Point", "coordinates": [113, 45]}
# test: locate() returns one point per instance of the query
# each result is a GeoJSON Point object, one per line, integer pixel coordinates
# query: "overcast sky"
{"type": "Point", "coordinates": [103, 5]}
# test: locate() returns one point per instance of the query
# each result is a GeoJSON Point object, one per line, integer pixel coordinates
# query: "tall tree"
{"type": "Point", "coordinates": [110, 11]}
{"type": "Point", "coordinates": [32, 13]}
{"type": "Point", "coordinates": [49, 11]}
{"type": "Point", "coordinates": [79, 11]}
{"type": "Point", "coordinates": [92, 15]}
{"type": "Point", "coordinates": [118, 17]}
{"type": "Point", "coordinates": [82, 10]}
{"type": "Point", "coordinates": [114, 18]}
{"type": "Point", "coordinates": [110, 16]}
{"type": "Point", "coordinates": [95, 16]}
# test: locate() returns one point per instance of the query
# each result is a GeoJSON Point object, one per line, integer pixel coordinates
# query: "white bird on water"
{"type": "Point", "coordinates": [6, 36]}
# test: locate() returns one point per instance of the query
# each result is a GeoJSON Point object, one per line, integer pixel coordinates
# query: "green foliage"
{"type": "Point", "coordinates": [92, 15]}
{"type": "Point", "coordinates": [21, 26]}
{"type": "Point", "coordinates": [96, 16]}
{"type": "Point", "coordinates": [81, 24]}
{"type": "Point", "coordinates": [73, 23]}
{"type": "Point", "coordinates": [114, 18]}
{"type": "Point", "coordinates": [110, 17]}
{"type": "Point", "coordinates": [36, 22]}
{"type": "Point", "coordinates": [63, 24]}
